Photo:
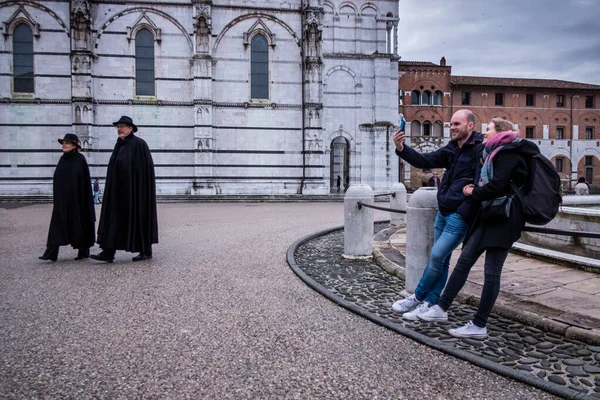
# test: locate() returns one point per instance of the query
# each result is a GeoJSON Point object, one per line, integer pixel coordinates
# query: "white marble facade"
{"type": "Point", "coordinates": [206, 133]}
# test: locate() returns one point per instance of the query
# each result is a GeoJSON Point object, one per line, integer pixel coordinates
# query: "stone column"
{"type": "Point", "coordinates": [398, 202]}
{"type": "Point", "coordinates": [358, 223]}
{"type": "Point", "coordinates": [420, 217]}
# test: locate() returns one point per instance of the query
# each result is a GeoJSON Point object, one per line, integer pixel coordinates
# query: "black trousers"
{"type": "Point", "coordinates": [494, 261]}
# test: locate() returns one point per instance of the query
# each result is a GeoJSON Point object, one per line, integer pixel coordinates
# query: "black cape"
{"type": "Point", "coordinates": [73, 214]}
{"type": "Point", "coordinates": [128, 220]}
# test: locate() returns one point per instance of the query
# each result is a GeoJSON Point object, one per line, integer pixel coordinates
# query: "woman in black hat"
{"type": "Point", "coordinates": [73, 214]}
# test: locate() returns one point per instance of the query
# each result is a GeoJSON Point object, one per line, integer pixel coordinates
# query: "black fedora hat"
{"type": "Point", "coordinates": [70, 137]}
{"type": "Point", "coordinates": [126, 120]}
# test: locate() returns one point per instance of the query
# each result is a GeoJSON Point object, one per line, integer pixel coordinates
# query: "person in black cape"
{"type": "Point", "coordinates": [128, 220]}
{"type": "Point", "coordinates": [73, 214]}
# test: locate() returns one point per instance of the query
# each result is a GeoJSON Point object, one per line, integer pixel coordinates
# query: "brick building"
{"type": "Point", "coordinates": [232, 96]}
{"type": "Point", "coordinates": [561, 117]}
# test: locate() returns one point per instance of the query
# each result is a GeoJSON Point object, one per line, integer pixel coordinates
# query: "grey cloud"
{"type": "Point", "coordinates": [554, 39]}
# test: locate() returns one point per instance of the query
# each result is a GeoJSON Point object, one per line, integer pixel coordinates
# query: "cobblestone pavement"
{"type": "Point", "coordinates": [549, 357]}
{"type": "Point", "coordinates": [217, 314]}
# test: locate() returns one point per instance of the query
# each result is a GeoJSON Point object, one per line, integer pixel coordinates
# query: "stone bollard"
{"type": "Point", "coordinates": [420, 217]}
{"type": "Point", "coordinates": [398, 202]}
{"type": "Point", "coordinates": [358, 223]}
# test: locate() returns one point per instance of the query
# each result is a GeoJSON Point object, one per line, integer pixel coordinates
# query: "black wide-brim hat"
{"type": "Point", "coordinates": [70, 137]}
{"type": "Point", "coordinates": [126, 120]}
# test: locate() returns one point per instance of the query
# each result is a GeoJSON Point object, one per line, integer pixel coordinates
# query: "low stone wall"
{"type": "Point", "coordinates": [575, 219]}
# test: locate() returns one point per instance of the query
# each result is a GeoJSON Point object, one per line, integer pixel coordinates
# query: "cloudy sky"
{"type": "Point", "coordinates": [550, 39]}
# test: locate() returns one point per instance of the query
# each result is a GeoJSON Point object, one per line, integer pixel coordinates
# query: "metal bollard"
{"type": "Point", "coordinates": [358, 223]}
{"type": "Point", "coordinates": [398, 202]}
{"type": "Point", "coordinates": [420, 217]}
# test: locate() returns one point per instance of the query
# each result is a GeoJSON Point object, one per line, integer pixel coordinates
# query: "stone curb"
{"type": "Point", "coordinates": [510, 311]}
{"type": "Point", "coordinates": [502, 370]}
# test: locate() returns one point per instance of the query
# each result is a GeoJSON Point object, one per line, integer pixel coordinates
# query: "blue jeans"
{"type": "Point", "coordinates": [96, 197]}
{"type": "Point", "coordinates": [448, 232]}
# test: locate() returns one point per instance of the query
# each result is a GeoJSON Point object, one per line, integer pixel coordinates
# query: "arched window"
{"type": "Point", "coordinates": [415, 129]}
{"type": "Point", "coordinates": [437, 98]}
{"type": "Point", "coordinates": [438, 129]}
{"type": "Point", "coordinates": [259, 68]}
{"type": "Point", "coordinates": [23, 59]}
{"type": "Point", "coordinates": [426, 128]}
{"type": "Point", "coordinates": [144, 63]}
{"type": "Point", "coordinates": [415, 97]}
{"type": "Point", "coordinates": [426, 98]}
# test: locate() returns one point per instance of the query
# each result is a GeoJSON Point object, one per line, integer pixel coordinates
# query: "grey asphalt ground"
{"type": "Point", "coordinates": [217, 314]}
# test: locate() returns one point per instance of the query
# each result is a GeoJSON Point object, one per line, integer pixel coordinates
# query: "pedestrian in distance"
{"type": "Point", "coordinates": [73, 214]}
{"type": "Point", "coordinates": [459, 157]}
{"type": "Point", "coordinates": [97, 191]}
{"type": "Point", "coordinates": [434, 181]}
{"type": "Point", "coordinates": [338, 182]}
{"type": "Point", "coordinates": [505, 165]}
{"type": "Point", "coordinates": [128, 220]}
{"type": "Point", "coordinates": [582, 188]}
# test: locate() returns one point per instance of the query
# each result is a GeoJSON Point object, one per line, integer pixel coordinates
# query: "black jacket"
{"type": "Point", "coordinates": [128, 220]}
{"type": "Point", "coordinates": [510, 164]}
{"type": "Point", "coordinates": [460, 164]}
{"type": "Point", "coordinates": [73, 214]}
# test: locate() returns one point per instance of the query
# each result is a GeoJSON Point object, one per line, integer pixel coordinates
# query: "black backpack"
{"type": "Point", "coordinates": [541, 195]}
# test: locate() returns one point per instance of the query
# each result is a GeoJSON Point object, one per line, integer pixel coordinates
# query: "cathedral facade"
{"type": "Point", "coordinates": [232, 96]}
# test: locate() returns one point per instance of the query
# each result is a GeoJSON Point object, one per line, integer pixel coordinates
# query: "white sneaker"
{"type": "Point", "coordinates": [414, 314]}
{"type": "Point", "coordinates": [470, 330]}
{"type": "Point", "coordinates": [407, 304]}
{"type": "Point", "coordinates": [435, 313]}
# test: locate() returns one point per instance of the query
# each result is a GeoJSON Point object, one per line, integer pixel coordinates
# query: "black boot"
{"type": "Point", "coordinates": [144, 255]}
{"type": "Point", "coordinates": [83, 253]}
{"type": "Point", "coordinates": [51, 253]}
{"type": "Point", "coordinates": [107, 255]}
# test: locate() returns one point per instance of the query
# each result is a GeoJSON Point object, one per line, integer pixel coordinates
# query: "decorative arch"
{"type": "Point", "coordinates": [559, 151]}
{"type": "Point", "coordinates": [259, 28]}
{"type": "Point", "coordinates": [590, 115]}
{"type": "Point", "coordinates": [118, 15]}
{"type": "Point", "coordinates": [241, 18]}
{"type": "Point", "coordinates": [9, 25]}
{"type": "Point", "coordinates": [529, 113]}
{"type": "Point", "coordinates": [371, 6]}
{"type": "Point", "coordinates": [348, 4]}
{"type": "Point", "coordinates": [357, 81]}
{"type": "Point", "coordinates": [343, 133]}
{"type": "Point", "coordinates": [590, 151]}
{"type": "Point", "coordinates": [144, 22]}
{"type": "Point", "coordinates": [329, 4]}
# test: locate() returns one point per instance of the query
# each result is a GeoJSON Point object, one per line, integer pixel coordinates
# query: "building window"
{"type": "Point", "coordinates": [466, 98]}
{"type": "Point", "coordinates": [144, 63]}
{"type": "Point", "coordinates": [589, 101]}
{"type": "Point", "coordinates": [23, 59]}
{"type": "Point", "coordinates": [426, 128]}
{"type": "Point", "coordinates": [437, 98]}
{"type": "Point", "coordinates": [589, 133]}
{"type": "Point", "coordinates": [400, 97]}
{"type": "Point", "coordinates": [499, 99]}
{"type": "Point", "coordinates": [415, 97]}
{"type": "Point", "coordinates": [589, 161]}
{"type": "Point", "coordinates": [529, 132]}
{"type": "Point", "coordinates": [530, 100]}
{"type": "Point", "coordinates": [560, 100]}
{"type": "Point", "coordinates": [259, 60]}
{"type": "Point", "coordinates": [560, 132]}
{"type": "Point", "coordinates": [426, 98]}
{"type": "Point", "coordinates": [558, 163]}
